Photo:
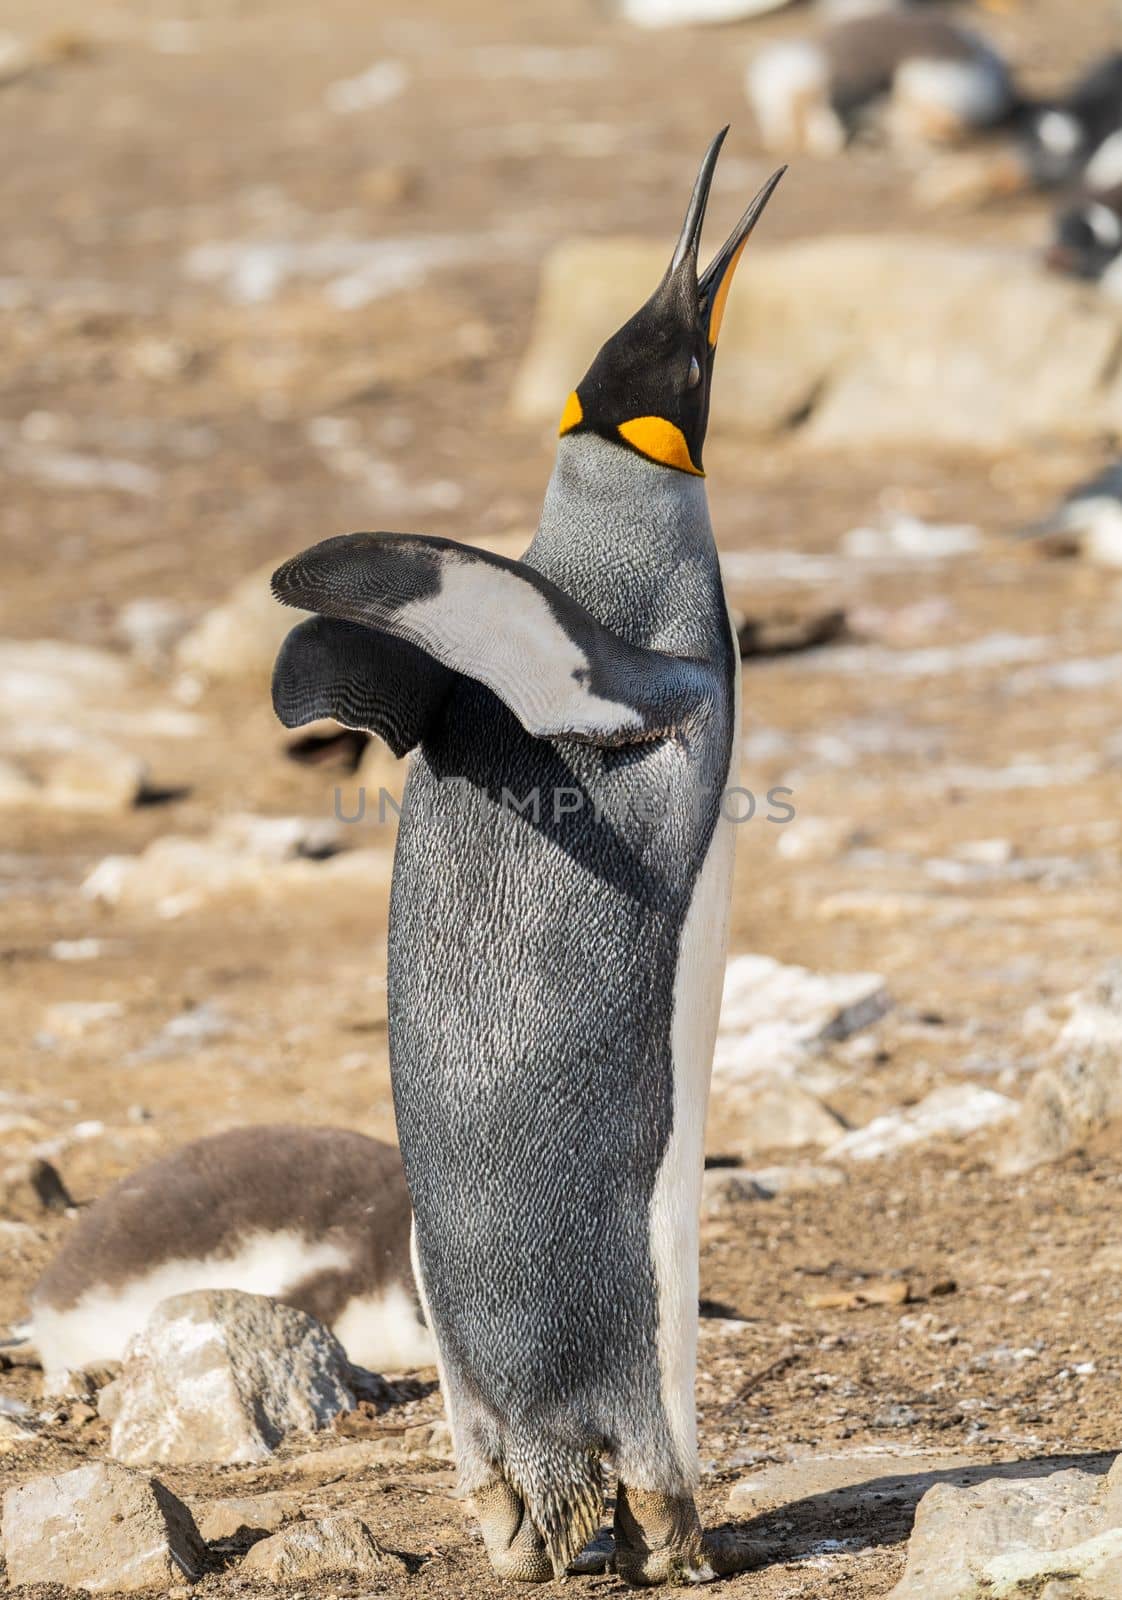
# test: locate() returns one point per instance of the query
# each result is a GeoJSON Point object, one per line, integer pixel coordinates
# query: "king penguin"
{"type": "Point", "coordinates": [558, 928]}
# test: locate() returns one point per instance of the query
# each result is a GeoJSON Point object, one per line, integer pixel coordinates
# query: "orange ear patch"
{"type": "Point", "coordinates": [573, 414]}
{"type": "Point", "coordinates": [660, 441]}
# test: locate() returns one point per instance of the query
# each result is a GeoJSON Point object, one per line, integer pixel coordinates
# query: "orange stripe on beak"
{"type": "Point", "coordinates": [715, 282]}
{"type": "Point", "coordinates": [717, 311]}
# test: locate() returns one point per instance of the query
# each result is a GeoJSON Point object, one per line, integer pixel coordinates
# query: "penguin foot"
{"type": "Point", "coordinates": [658, 1538]}
{"type": "Point", "coordinates": [596, 1557]}
{"type": "Point", "coordinates": [515, 1547]}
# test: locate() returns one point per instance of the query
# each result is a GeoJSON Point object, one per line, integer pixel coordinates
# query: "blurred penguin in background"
{"type": "Point", "coordinates": [686, 13]}
{"type": "Point", "coordinates": [1087, 240]}
{"type": "Point", "coordinates": [1074, 138]}
{"type": "Point", "coordinates": [934, 81]}
{"type": "Point", "coordinates": [1087, 521]}
{"type": "Point", "coordinates": [1077, 136]}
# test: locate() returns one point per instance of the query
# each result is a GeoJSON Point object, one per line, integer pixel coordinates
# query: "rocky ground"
{"type": "Point", "coordinates": [253, 293]}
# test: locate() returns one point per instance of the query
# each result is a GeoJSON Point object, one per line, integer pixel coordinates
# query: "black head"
{"type": "Point", "coordinates": [648, 389]}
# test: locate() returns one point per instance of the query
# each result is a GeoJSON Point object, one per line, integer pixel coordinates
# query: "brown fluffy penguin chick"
{"type": "Point", "coordinates": [316, 1217]}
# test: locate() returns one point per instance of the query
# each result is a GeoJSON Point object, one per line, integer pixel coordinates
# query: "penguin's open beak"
{"type": "Point", "coordinates": [714, 283]}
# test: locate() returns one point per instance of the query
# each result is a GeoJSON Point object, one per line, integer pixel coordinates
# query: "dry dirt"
{"type": "Point", "coordinates": [154, 129]}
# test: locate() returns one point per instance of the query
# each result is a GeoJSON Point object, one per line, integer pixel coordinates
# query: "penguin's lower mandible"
{"type": "Point", "coordinates": [558, 925]}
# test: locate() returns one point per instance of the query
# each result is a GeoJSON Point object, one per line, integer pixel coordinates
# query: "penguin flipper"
{"type": "Point", "coordinates": [365, 680]}
{"type": "Point", "coordinates": [562, 673]}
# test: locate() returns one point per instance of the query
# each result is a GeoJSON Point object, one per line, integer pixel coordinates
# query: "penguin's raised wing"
{"type": "Point", "coordinates": [562, 673]}
{"type": "Point", "coordinates": [362, 679]}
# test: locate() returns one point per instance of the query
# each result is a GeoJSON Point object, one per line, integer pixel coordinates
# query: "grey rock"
{"type": "Point", "coordinates": [340, 1544]}
{"type": "Point", "coordinates": [248, 1513]}
{"type": "Point", "coordinates": [424, 1441]}
{"type": "Point", "coordinates": [218, 1375]}
{"type": "Point", "coordinates": [774, 1016]}
{"type": "Point", "coordinates": [769, 1114]}
{"type": "Point", "coordinates": [1006, 1538]}
{"type": "Point", "coordinates": [14, 1437]}
{"type": "Point", "coordinates": [100, 1528]}
{"type": "Point", "coordinates": [724, 1189]}
{"type": "Point", "coordinates": [949, 1112]}
{"type": "Point", "coordinates": [1072, 1097]}
{"type": "Point", "coordinates": [851, 1480]}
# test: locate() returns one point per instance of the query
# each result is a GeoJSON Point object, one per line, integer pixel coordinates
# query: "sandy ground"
{"type": "Point", "coordinates": [156, 134]}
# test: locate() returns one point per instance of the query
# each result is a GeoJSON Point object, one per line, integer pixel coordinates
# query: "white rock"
{"type": "Point", "coordinates": [377, 86]}
{"type": "Point", "coordinates": [797, 1179]}
{"type": "Point", "coordinates": [947, 1113]}
{"type": "Point", "coordinates": [193, 1029]}
{"type": "Point", "coordinates": [256, 858]}
{"type": "Point", "coordinates": [859, 1476]}
{"type": "Point", "coordinates": [912, 539]}
{"type": "Point", "coordinates": [687, 13]}
{"type": "Point", "coordinates": [1065, 1105]}
{"type": "Point", "coordinates": [815, 839]}
{"type": "Point", "coordinates": [768, 1114]}
{"type": "Point", "coordinates": [217, 1375]}
{"type": "Point", "coordinates": [1008, 1536]}
{"type": "Point", "coordinates": [986, 852]}
{"type": "Point", "coordinates": [278, 838]}
{"type": "Point", "coordinates": [934, 661]}
{"type": "Point", "coordinates": [151, 627]}
{"type": "Point", "coordinates": [74, 1019]}
{"type": "Point", "coordinates": [100, 1528]}
{"type": "Point", "coordinates": [1096, 1015]}
{"type": "Point", "coordinates": [240, 638]}
{"type": "Point", "coordinates": [46, 677]}
{"type": "Point", "coordinates": [723, 1189]}
{"type": "Point", "coordinates": [94, 777]}
{"type": "Point", "coordinates": [77, 949]}
{"type": "Point", "coordinates": [773, 1015]}
{"type": "Point", "coordinates": [1079, 1091]}
{"type": "Point", "coordinates": [339, 1545]}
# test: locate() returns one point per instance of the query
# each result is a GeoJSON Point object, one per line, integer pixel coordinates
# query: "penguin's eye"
{"type": "Point", "coordinates": [694, 377]}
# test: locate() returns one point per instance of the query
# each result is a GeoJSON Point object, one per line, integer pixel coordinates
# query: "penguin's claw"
{"type": "Point", "coordinates": [514, 1546]}
{"type": "Point", "coordinates": [595, 1558]}
{"type": "Point", "coordinates": [659, 1539]}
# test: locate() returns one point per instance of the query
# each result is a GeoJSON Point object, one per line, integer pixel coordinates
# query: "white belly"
{"type": "Point", "coordinates": [676, 1201]}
